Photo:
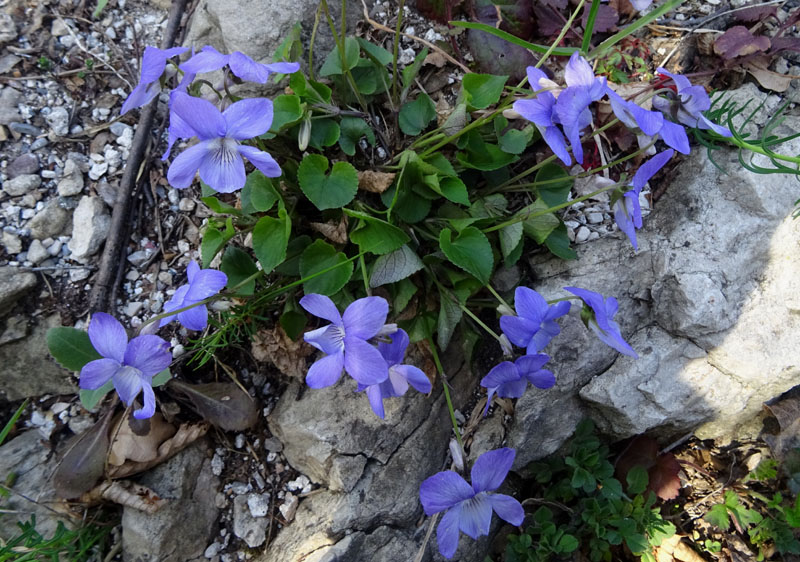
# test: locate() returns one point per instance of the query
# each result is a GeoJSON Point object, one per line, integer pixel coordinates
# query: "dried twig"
{"type": "Point", "coordinates": [112, 252]}
{"type": "Point", "coordinates": [428, 44]}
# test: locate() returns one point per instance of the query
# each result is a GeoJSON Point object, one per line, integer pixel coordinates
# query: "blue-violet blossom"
{"type": "Point", "coordinates": [688, 106]}
{"type": "Point", "coordinates": [218, 155]}
{"type": "Point", "coordinates": [650, 124]}
{"type": "Point", "coordinates": [154, 60]}
{"type": "Point", "coordinates": [344, 341]}
{"type": "Point", "coordinates": [130, 365]}
{"type": "Point", "coordinates": [469, 508]}
{"type": "Point", "coordinates": [202, 284]}
{"type": "Point", "coordinates": [600, 319]}
{"type": "Point", "coordinates": [572, 105]}
{"type": "Point", "coordinates": [541, 111]}
{"type": "Point", "coordinates": [535, 323]}
{"type": "Point", "coordinates": [209, 59]}
{"type": "Point", "coordinates": [510, 380]}
{"type": "Point", "coordinates": [627, 210]}
{"type": "Point", "coordinates": [400, 376]}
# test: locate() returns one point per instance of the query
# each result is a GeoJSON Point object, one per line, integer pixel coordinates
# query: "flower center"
{"type": "Point", "coordinates": [223, 151]}
{"type": "Point", "coordinates": [337, 335]}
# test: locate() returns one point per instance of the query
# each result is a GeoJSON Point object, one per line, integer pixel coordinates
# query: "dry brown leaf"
{"type": "Point", "coordinates": [275, 347]}
{"type": "Point", "coordinates": [375, 182]}
{"type": "Point", "coordinates": [125, 493]}
{"type": "Point", "coordinates": [335, 232]}
{"type": "Point", "coordinates": [768, 79]}
{"type": "Point", "coordinates": [436, 59]}
{"type": "Point", "coordinates": [138, 448]}
{"type": "Point", "coordinates": [185, 436]}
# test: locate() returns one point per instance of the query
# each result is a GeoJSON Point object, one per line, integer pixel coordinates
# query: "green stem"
{"type": "Point", "coordinates": [311, 43]}
{"type": "Point", "coordinates": [561, 34]}
{"type": "Point", "coordinates": [497, 296]}
{"type": "Point", "coordinates": [759, 150]}
{"type": "Point", "coordinates": [449, 400]}
{"type": "Point", "coordinates": [364, 274]}
{"type": "Point", "coordinates": [527, 216]}
{"type": "Point", "coordinates": [479, 322]}
{"type": "Point", "coordinates": [589, 31]}
{"type": "Point", "coordinates": [395, 50]}
{"type": "Point", "coordinates": [340, 44]}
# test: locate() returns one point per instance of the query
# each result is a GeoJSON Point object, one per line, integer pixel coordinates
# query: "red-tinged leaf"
{"type": "Point", "coordinates": [497, 56]}
{"type": "Point", "coordinates": [438, 10]}
{"type": "Point", "coordinates": [756, 12]}
{"type": "Point", "coordinates": [512, 16]}
{"type": "Point", "coordinates": [547, 20]}
{"type": "Point", "coordinates": [780, 44]}
{"type": "Point", "coordinates": [606, 20]}
{"type": "Point", "coordinates": [641, 451]}
{"type": "Point", "coordinates": [739, 42]}
{"type": "Point", "coordinates": [663, 475]}
{"type": "Point", "coordinates": [557, 4]}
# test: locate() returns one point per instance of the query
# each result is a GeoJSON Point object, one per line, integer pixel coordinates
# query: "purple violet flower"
{"type": "Point", "coordinates": [599, 318]}
{"type": "Point", "coordinates": [649, 123]}
{"type": "Point", "coordinates": [627, 210]}
{"type": "Point", "coordinates": [541, 111]}
{"type": "Point", "coordinates": [640, 5]}
{"type": "Point", "coordinates": [344, 341]}
{"type": "Point", "coordinates": [209, 59]}
{"type": "Point", "coordinates": [154, 60]}
{"type": "Point", "coordinates": [400, 376]}
{"type": "Point", "coordinates": [130, 365]}
{"type": "Point", "coordinates": [202, 284]}
{"type": "Point", "coordinates": [510, 380]}
{"type": "Point", "coordinates": [688, 106]}
{"type": "Point", "coordinates": [572, 105]}
{"type": "Point", "coordinates": [469, 508]}
{"type": "Point", "coordinates": [218, 155]}
{"type": "Point", "coordinates": [535, 323]}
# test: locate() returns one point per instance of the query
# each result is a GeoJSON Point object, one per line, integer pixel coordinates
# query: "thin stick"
{"type": "Point", "coordinates": [428, 44]}
{"type": "Point", "coordinates": [98, 299]}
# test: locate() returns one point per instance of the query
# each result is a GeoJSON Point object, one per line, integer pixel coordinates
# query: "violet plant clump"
{"type": "Point", "coordinates": [420, 211]}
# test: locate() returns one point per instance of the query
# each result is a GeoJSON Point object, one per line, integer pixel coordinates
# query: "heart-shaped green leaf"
{"type": "Point", "coordinates": [416, 115]}
{"type": "Point", "coordinates": [470, 251]}
{"type": "Point", "coordinates": [318, 257]}
{"type": "Point", "coordinates": [270, 240]}
{"type": "Point", "coordinates": [71, 347]}
{"type": "Point", "coordinates": [327, 191]}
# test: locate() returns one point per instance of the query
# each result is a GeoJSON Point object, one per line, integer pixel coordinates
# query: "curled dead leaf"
{"type": "Point", "coordinates": [274, 346]}
{"type": "Point", "coordinates": [186, 435]}
{"type": "Point", "coordinates": [375, 182]}
{"type": "Point", "coordinates": [222, 404]}
{"type": "Point", "coordinates": [333, 231]}
{"type": "Point", "coordinates": [127, 445]}
{"type": "Point", "coordinates": [739, 42]}
{"type": "Point", "coordinates": [768, 79]}
{"type": "Point", "coordinates": [125, 493]}
{"type": "Point", "coordinates": [436, 59]}
{"type": "Point", "coordinates": [83, 462]}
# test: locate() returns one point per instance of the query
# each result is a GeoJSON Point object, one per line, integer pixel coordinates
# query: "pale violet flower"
{"type": "Point", "coordinates": [218, 155]}
{"type": "Point", "coordinates": [130, 365]}
{"type": "Point", "coordinates": [541, 111]}
{"type": "Point", "coordinates": [209, 59]}
{"type": "Point", "coordinates": [154, 60]}
{"type": "Point", "coordinates": [202, 284]}
{"type": "Point", "coordinates": [345, 341]}
{"type": "Point", "coordinates": [599, 318]}
{"type": "Point", "coordinates": [648, 124]}
{"type": "Point", "coordinates": [572, 105]}
{"type": "Point", "coordinates": [469, 508]}
{"type": "Point", "coordinates": [400, 375]}
{"type": "Point", "coordinates": [535, 323]}
{"type": "Point", "coordinates": [510, 380]}
{"type": "Point", "coordinates": [687, 105]}
{"type": "Point", "coordinates": [627, 210]}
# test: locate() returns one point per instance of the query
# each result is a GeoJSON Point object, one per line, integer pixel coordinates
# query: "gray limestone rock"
{"type": "Point", "coordinates": [246, 526]}
{"type": "Point", "coordinates": [71, 182]}
{"type": "Point", "coordinates": [9, 100]}
{"type": "Point", "coordinates": [29, 457]}
{"type": "Point", "coordinates": [26, 163]}
{"type": "Point", "coordinates": [22, 184]}
{"type": "Point", "coordinates": [182, 529]}
{"type": "Point", "coordinates": [51, 222]}
{"type": "Point", "coordinates": [709, 302]}
{"type": "Point", "coordinates": [28, 370]}
{"type": "Point", "coordinates": [91, 222]}
{"type": "Point", "coordinates": [37, 253]}
{"type": "Point", "coordinates": [14, 283]}
{"type": "Point", "coordinates": [58, 119]}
